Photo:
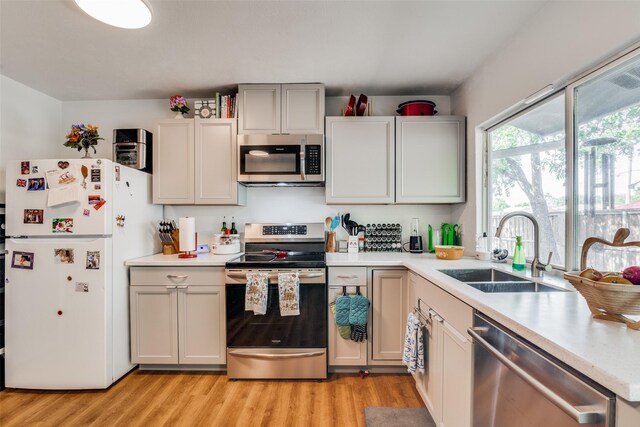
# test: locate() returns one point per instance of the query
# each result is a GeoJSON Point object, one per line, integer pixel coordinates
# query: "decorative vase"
{"type": "Point", "coordinates": [86, 153]}
{"type": "Point", "coordinates": [179, 115]}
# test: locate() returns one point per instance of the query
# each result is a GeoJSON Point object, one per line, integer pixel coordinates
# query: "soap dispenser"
{"type": "Point", "coordinates": [519, 262]}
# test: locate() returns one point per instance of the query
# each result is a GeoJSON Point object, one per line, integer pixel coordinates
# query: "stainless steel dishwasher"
{"type": "Point", "coordinates": [516, 384]}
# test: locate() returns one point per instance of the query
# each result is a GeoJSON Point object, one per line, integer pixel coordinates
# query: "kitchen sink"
{"type": "Point", "coordinates": [491, 281]}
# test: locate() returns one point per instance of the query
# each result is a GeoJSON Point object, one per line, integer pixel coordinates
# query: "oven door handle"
{"type": "Point", "coordinates": [582, 414]}
{"type": "Point", "coordinates": [301, 276]}
{"type": "Point", "coordinates": [276, 356]}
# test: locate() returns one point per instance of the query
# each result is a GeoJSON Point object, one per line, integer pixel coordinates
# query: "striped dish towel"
{"type": "Point", "coordinates": [255, 298]}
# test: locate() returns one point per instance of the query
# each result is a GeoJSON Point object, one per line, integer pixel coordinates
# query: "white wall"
{"type": "Point", "coordinates": [29, 125]}
{"type": "Point", "coordinates": [563, 40]}
{"type": "Point", "coordinates": [305, 204]}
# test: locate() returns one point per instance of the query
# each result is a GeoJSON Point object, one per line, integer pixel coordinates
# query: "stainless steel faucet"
{"type": "Point", "coordinates": [536, 266]}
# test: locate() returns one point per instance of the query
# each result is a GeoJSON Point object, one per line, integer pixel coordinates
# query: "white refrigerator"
{"type": "Point", "coordinates": [70, 225]}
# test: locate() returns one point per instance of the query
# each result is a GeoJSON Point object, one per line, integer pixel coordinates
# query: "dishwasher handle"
{"type": "Point", "coordinates": [581, 414]}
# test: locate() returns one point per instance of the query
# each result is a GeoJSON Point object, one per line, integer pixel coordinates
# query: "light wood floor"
{"type": "Point", "coordinates": [145, 398]}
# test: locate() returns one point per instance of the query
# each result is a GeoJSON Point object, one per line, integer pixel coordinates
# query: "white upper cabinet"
{"type": "Point", "coordinates": [430, 159]}
{"type": "Point", "coordinates": [195, 162]}
{"type": "Point", "coordinates": [281, 109]}
{"type": "Point", "coordinates": [360, 160]}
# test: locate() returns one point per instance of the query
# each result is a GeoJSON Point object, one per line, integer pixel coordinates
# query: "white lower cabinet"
{"type": "Point", "coordinates": [387, 293]}
{"type": "Point", "coordinates": [446, 385]}
{"type": "Point", "coordinates": [388, 316]}
{"type": "Point", "coordinates": [178, 315]}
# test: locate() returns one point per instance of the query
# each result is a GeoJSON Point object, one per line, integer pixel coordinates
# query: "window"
{"type": "Point", "coordinates": [530, 158]}
{"type": "Point", "coordinates": [528, 173]}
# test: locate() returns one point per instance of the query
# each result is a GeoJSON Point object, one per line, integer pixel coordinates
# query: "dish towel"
{"type": "Point", "coordinates": [343, 306]}
{"type": "Point", "coordinates": [343, 330]}
{"type": "Point", "coordinates": [413, 355]}
{"type": "Point", "coordinates": [255, 298]}
{"type": "Point", "coordinates": [289, 293]}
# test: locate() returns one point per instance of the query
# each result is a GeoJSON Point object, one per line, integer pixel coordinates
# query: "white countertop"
{"type": "Point", "coordinates": [202, 260]}
{"type": "Point", "coordinates": [558, 322]}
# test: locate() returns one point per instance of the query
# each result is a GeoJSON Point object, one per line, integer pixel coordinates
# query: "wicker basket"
{"type": "Point", "coordinates": [605, 300]}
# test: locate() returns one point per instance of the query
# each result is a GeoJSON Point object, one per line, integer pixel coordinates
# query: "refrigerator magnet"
{"type": "Point", "coordinates": [21, 183]}
{"type": "Point", "coordinates": [95, 175]}
{"type": "Point", "coordinates": [86, 212]}
{"type": "Point", "coordinates": [34, 169]}
{"type": "Point", "coordinates": [82, 287]}
{"type": "Point", "coordinates": [33, 216]}
{"type": "Point", "coordinates": [93, 260]}
{"type": "Point", "coordinates": [100, 204]}
{"type": "Point", "coordinates": [97, 187]}
{"type": "Point", "coordinates": [62, 225]}
{"type": "Point", "coordinates": [22, 260]}
{"type": "Point", "coordinates": [117, 173]}
{"type": "Point", "coordinates": [63, 256]}
{"type": "Point", "coordinates": [93, 199]}
{"type": "Point", "coordinates": [63, 164]}
{"type": "Point", "coordinates": [36, 184]}
{"type": "Point", "coordinates": [24, 168]}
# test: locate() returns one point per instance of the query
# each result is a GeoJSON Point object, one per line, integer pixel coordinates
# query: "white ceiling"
{"type": "Point", "coordinates": [199, 47]}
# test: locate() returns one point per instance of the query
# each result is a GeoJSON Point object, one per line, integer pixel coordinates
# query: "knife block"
{"type": "Point", "coordinates": [172, 248]}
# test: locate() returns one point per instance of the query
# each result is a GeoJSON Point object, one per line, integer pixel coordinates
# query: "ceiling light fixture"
{"type": "Point", "coordinates": [129, 14]}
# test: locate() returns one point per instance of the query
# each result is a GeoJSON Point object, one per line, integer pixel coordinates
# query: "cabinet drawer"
{"type": "Point", "coordinates": [177, 276]}
{"type": "Point", "coordinates": [345, 276]}
{"type": "Point", "coordinates": [457, 313]}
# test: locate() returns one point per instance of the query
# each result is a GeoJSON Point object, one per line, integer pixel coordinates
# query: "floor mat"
{"type": "Point", "coordinates": [375, 416]}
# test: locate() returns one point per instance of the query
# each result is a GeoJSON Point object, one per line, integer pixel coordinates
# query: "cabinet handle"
{"type": "Point", "coordinates": [435, 316]}
{"type": "Point", "coordinates": [182, 287]}
{"type": "Point", "coordinates": [173, 276]}
{"type": "Point", "coordinates": [171, 287]}
{"type": "Point", "coordinates": [347, 277]}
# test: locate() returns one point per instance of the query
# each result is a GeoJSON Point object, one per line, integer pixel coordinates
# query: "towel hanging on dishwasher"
{"type": "Point", "coordinates": [257, 291]}
{"type": "Point", "coordinates": [289, 293]}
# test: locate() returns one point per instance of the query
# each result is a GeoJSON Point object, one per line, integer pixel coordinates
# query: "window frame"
{"type": "Point", "coordinates": [569, 88]}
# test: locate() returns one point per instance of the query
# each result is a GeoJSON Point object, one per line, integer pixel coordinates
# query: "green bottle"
{"type": "Point", "coordinates": [519, 262]}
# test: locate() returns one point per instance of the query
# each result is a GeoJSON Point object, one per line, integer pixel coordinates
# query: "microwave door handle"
{"type": "Point", "coordinates": [302, 150]}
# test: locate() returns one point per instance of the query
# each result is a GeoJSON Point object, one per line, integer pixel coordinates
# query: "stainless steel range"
{"type": "Point", "coordinates": [272, 345]}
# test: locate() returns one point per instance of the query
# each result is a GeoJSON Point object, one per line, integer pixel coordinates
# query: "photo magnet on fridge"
{"type": "Point", "coordinates": [63, 256]}
{"type": "Point", "coordinates": [21, 183]}
{"type": "Point", "coordinates": [100, 204]}
{"type": "Point", "coordinates": [34, 169]}
{"type": "Point", "coordinates": [24, 167]}
{"type": "Point", "coordinates": [93, 260]}
{"type": "Point", "coordinates": [22, 260]}
{"type": "Point", "coordinates": [62, 225]}
{"type": "Point", "coordinates": [33, 216]}
{"type": "Point", "coordinates": [95, 175]}
{"type": "Point", "coordinates": [36, 184]}
{"type": "Point", "coordinates": [62, 164]}
{"type": "Point", "coordinates": [117, 173]}
{"type": "Point", "coordinates": [94, 199]}
{"type": "Point", "coordinates": [86, 212]}
{"type": "Point", "coordinates": [97, 187]}
{"type": "Point", "coordinates": [82, 287]}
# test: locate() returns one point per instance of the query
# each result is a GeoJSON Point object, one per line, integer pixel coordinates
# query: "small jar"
{"type": "Point", "coordinates": [361, 244]}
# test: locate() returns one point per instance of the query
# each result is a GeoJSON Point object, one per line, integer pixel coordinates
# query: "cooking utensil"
{"type": "Point", "coordinates": [327, 222]}
{"type": "Point", "coordinates": [418, 107]}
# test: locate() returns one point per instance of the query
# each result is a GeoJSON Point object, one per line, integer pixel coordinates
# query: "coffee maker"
{"type": "Point", "coordinates": [415, 240]}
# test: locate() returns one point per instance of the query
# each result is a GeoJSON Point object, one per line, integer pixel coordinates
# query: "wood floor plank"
{"type": "Point", "coordinates": [145, 398]}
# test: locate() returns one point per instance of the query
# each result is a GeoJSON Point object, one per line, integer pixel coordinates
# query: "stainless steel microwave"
{"type": "Point", "coordinates": [281, 160]}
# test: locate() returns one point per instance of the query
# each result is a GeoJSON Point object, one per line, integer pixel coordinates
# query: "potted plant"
{"type": "Point", "coordinates": [179, 105]}
{"type": "Point", "coordinates": [82, 136]}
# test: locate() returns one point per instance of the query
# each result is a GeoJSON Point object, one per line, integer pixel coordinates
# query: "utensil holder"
{"type": "Point", "coordinates": [331, 241]}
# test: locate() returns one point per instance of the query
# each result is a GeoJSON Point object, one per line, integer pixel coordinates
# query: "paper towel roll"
{"type": "Point", "coordinates": [187, 226]}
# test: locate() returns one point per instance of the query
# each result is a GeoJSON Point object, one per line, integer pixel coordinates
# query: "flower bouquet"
{"type": "Point", "coordinates": [179, 105]}
{"type": "Point", "coordinates": [82, 136]}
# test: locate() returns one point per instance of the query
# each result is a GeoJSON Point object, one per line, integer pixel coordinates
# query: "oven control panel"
{"type": "Point", "coordinates": [284, 230]}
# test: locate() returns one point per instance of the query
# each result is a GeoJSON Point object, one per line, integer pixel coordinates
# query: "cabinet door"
{"type": "Point", "coordinates": [216, 163]}
{"type": "Point", "coordinates": [360, 160]}
{"type": "Point", "coordinates": [259, 109]}
{"type": "Point", "coordinates": [201, 320]}
{"type": "Point", "coordinates": [456, 378]}
{"type": "Point", "coordinates": [344, 352]}
{"type": "Point", "coordinates": [173, 162]}
{"type": "Point", "coordinates": [389, 315]}
{"type": "Point", "coordinates": [154, 324]}
{"type": "Point", "coordinates": [303, 108]}
{"type": "Point", "coordinates": [430, 159]}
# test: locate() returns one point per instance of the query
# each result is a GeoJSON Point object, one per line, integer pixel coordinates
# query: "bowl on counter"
{"type": "Point", "coordinates": [449, 252]}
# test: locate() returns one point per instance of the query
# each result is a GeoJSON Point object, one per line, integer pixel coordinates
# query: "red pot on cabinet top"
{"type": "Point", "coordinates": [417, 108]}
